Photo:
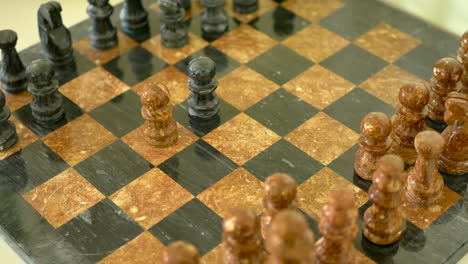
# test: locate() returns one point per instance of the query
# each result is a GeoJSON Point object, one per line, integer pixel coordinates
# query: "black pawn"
{"type": "Point", "coordinates": [173, 32]}
{"type": "Point", "coordinates": [13, 73]}
{"type": "Point", "coordinates": [102, 33]}
{"type": "Point", "coordinates": [133, 17]}
{"type": "Point", "coordinates": [203, 101]}
{"type": "Point", "coordinates": [47, 104]}
{"type": "Point", "coordinates": [214, 19]}
{"type": "Point", "coordinates": [245, 6]}
{"type": "Point", "coordinates": [55, 37]}
{"type": "Point", "coordinates": [8, 135]}
{"type": "Point", "coordinates": [186, 4]}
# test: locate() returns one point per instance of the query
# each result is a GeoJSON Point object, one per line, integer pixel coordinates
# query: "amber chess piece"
{"type": "Point", "coordinates": [290, 240]}
{"type": "Point", "coordinates": [241, 237]}
{"type": "Point", "coordinates": [454, 158]}
{"type": "Point", "coordinates": [280, 194]}
{"type": "Point", "coordinates": [160, 128]}
{"type": "Point", "coordinates": [424, 183]}
{"type": "Point", "coordinates": [383, 221]}
{"type": "Point", "coordinates": [181, 252]}
{"type": "Point", "coordinates": [373, 143]}
{"type": "Point", "coordinates": [338, 227]}
{"type": "Point", "coordinates": [447, 73]}
{"type": "Point", "coordinates": [462, 57]}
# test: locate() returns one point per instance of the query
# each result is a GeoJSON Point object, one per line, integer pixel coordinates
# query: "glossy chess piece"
{"type": "Point", "coordinates": [424, 183]}
{"type": "Point", "coordinates": [383, 221]}
{"type": "Point", "coordinates": [47, 104]}
{"type": "Point", "coordinates": [133, 17]}
{"type": "Point", "coordinates": [454, 158]}
{"type": "Point", "coordinates": [214, 19]}
{"type": "Point", "coordinates": [102, 33]}
{"type": "Point", "coordinates": [203, 102]}
{"type": "Point", "coordinates": [55, 37]}
{"type": "Point", "coordinates": [447, 73]}
{"type": "Point", "coordinates": [181, 252]}
{"type": "Point", "coordinates": [245, 6]}
{"type": "Point", "coordinates": [338, 227]}
{"type": "Point", "coordinates": [241, 237]}
{"type": "Point", "coordinates": [290, 240]}
{"type": "Point", "coordinates": [279, 194]}
{"type": "Point", "coordinates": [462, 57]}
{"type": "Point", "coordinates": [8, 135]}
{"type": "Point", "coordinates": [174, 35]}
{"type": "Point", "coordinates": [12, 72]}
{"type": "Point", "coordinates": [160, 128]}
{"type": "Point", "coordinates": [373, 143]}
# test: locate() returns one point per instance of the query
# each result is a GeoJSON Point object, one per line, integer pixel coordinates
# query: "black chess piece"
{"type": "Point", "coordinates": [8, 135]}
{"type": "Point", "coordinates": [186, 4]}
{"type": "Point", "coordinates": [134, 17]}
{"type": "Point", "coordinates": [214, 19]}
{"type": "Point", "coordinates": [173, 32]}
{"type": "Point", "coordinates": [13, 73]}
{"type": "Point", "coordinates": [47, 104]}
{"type": "Point", "coordinates": [203, 101]}
{"type": "Point", "coordinates": [102, 33]}
{"type": "Point", "coordinates": [55, 37]}
{"type": "Point", "coordinates": [245, 6]}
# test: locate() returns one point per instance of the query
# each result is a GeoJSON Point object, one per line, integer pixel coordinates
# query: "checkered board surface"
{"type": "Point", "coordinates": [295, 79]}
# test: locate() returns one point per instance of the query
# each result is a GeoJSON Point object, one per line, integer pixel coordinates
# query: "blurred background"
{"type": "Point", "coordinates": [20, 15]}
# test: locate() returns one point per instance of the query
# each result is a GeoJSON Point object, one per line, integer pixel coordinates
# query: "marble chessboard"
{"type": "Point", "coordinates": [295, 79]}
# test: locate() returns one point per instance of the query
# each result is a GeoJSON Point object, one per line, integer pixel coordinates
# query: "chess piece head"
{"type": "Point", "coordinates": [414, 96]}
{"type": "Point", "coordinates": [280, 189]}
{"type": "Point", "coordinates": [8, 39]}
{"type": "Point", "coordinates": [170, 6]}
{"type": "Point", "coordinates": [391, 168]}
{"type": "Point", "coordinates": [154, 95]}
{"type": "Point", "coordinates": [376, 126]}
{"type": "Point", "coordinates": [448, 71]}
{"type": "Point", "coordinates": [289, 237]}
{"type": "Point", "coordinates": [457, 108]}
{"type": "Point", "coordinates": [98, 3]}
{"type": "Point", "coordinates": [181, 252]}
{"type": "Point", "coordinates": [429, 144]}
{"type": "Point", "coordinates": [49, 15]}
{"type": "Point", "coordinates": [339, 215]}
{"type": "Point", "coordinates": [202, 69]}
{"type": "Point", "coordinates": [464, 41]}
{"type": "Point", "coordinates": [241, 225]}
{"type": "Point", "coordinates": [40, 72]}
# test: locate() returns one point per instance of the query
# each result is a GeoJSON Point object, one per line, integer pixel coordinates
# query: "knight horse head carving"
{"type": "Point", "coordinates": [49, 16]}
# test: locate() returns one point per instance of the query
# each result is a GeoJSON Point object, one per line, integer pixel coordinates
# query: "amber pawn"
{"type": "Point", "coordinates": [241, 237]}
{"type": "Point", "coordinates": [338, 227]}
{"type": "Point", "coordinates": [454, 158]}
{"type": "Point", "coordinates": [290, 240]}
{"type": "Point", "coordinates": [279, 194]}
{"type": "Point", "coordinates": [383, 221]}
{"type": "Point", "coordinates": [446, 74]}
{"type": "Point", "coordinates": [462, 57]}
{"type": "Point", "coordinates": [181, 252]}
{"type": "Point", "coordinates": [424, 183]}
{"type": "Point", "coordinates": [160, 128]}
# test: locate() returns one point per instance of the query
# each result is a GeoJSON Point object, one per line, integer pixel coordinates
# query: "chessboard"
{"type": "Point", "coordinates": [295, 80]}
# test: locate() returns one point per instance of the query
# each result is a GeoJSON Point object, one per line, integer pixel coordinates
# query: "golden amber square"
{"type": "Point", "coordinates": [63, 197]}
{"type": "Point", "coordinates": [93, 88]}
{"type": "Point", "coordinates": [244, 43]}
{"type": "Point", "coordinates": [319, 86]}
{"type": "Point", "coordinates": [173, 56]}
{"type": "Point", "coordinates": [263, 7]}
{"type": "Point", "coordinates": [315, 43]}
{"type": "Point", "coordinates": [424, 217]}
{"type": "Point", "coordinates": [241, 138]}
{"type": "Point", "coordinates": [313, 10]}
{"type": "Point", "coordinates": [313, 193]}
{"type": "Point", "coordinates": [323, 138]}
{"type": "Point", "coordinates": [79, 139]}
{"type": "Point", "coordinates": [102, 56]}
{"type": "Point", "coordinates": [144, 249]}
{"type": "Point", "coordinates": [25, 137]}
{"type": "Point", "coordinates": [386, 83]}
{"type": "Point", "coordinates": [239, 189]}
{"type": "Point", "coordinates": [136, 140]}
{"type": "Point", "coordinates": [16, 101]}
{"type": "Point", "coordinates": [244, 87]}
{"type": "Point", "coordinates": [151, 197]}
{"type": "Point", "coordinates": [175, 81]}
{"type": "Point", "coordinates": [387, 42]}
